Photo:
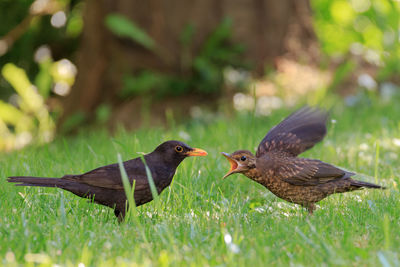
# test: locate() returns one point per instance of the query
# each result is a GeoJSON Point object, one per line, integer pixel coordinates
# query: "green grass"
{"type": "Point", "coordinates": [191, 223]}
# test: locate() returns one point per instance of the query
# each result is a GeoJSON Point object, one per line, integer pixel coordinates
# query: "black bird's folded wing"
{"type": "Point", "coordinates": [109, 176]}
{"type": "Point", "coordinates": [298, 132]}
{"type": "Point", "coordinates": [301, 171]}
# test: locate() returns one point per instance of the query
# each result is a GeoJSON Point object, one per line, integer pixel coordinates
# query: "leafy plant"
{"type": "Point", "coordinates": [24, 28]}
{"type": "Point", "coordinates": [362, 27]}
{"type": "Point", "coordinates": [124, 27]}
{"type": "Point", "coordinates": [32, 120]}
{"type": "Point", "coordinates": [202, 74]}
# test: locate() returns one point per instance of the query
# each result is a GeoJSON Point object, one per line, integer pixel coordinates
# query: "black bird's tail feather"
{"type": "Point", "coordinates": [366, 184]}
{"type": "Point", "coordinates": [36, 181]}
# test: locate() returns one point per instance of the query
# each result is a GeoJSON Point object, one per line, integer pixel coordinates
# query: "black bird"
{"type": "Point", "coordinates": [298, 180]}
{"type": "Point", "coordinates": [104, 184]}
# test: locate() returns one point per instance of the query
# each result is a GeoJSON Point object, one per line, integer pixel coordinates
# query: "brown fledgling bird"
{"type": "Point", "coordinates": [104, 184]}
{"type": "Point", "coordinates": [298, 180]}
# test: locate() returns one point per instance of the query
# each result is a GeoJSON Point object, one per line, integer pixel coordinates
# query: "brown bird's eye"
{"type": "Point", "coordinates": [243, 158]}
{"type": "Point", "coordinates": [178, 149]}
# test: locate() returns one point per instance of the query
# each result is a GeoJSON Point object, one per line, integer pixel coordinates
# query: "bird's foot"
{"type": "Point", "coordinates": [310, 208]}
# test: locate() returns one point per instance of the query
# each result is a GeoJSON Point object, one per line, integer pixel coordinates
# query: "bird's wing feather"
{"type": "Point", "coordinates": [110, 176]}
{"type": "Point", "coordinates": [297, 133]}
{"type": "Point", "coordinates": [301, 171]}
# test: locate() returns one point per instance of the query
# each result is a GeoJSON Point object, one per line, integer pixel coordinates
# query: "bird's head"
{"type": "Point", "coordinates": [241, 161]}
{"type": "Point", "coordinates": [176, 151]}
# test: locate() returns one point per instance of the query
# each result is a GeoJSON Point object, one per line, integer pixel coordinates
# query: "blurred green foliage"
{"type": "Point", "coordinates": [62, 41]}
{"type": "Point", "coordinates": [28, 119]}
{"type": "Point", "coordinates": [201, 74]}
{"type": "Point", "coordinates": [345, 28]}
{"type": "Point", "coordinates": [30, 37]}
{"type": "Point", "coordinates": [31, 121]}
{"type": "Point", "coordinates": [367, 28]}
{"type": "Point", "coordinates": [124, 27]}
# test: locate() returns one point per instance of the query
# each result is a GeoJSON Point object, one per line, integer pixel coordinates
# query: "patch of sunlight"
{"type": "Point", "coordinates": [291, 82]}
{"type": "Point", "coordinates": [37, 258]}
{"type": "Point", "coordinates": [396, 142]}
{"type": "Point", "coordinates": [342, 12]}
{"type": "Point", "coordinates": [279, 209]}
{"type": "Point", "coordinates": [10, 257]}
{"type": "Point", "coordinates": [360, 5]}
{"type": "Point", "coordinates": [364, 147]}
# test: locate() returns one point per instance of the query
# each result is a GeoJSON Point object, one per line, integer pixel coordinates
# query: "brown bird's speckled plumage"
{"type": "Point", "coordinates": [298, 180]}
{"type": "Point", "coordinates": [104, 184]}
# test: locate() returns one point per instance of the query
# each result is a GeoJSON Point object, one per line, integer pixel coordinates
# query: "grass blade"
{"type": "Point", "coordinates": [129, 191]}
{"type": "Point", "coordinates": [153, 188]}
{"type": "Point", "coordinates": [376, 161]}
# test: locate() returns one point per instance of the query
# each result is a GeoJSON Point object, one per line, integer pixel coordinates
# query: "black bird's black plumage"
{"type": "Point", "coordinates": [104, 184]}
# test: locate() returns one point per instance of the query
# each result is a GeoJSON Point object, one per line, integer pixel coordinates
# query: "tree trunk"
{"type": "Point", "coordinates": [261, 25]}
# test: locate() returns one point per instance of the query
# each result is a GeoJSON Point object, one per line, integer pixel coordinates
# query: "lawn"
{"type": "Point", "coordinates": [202, 220]}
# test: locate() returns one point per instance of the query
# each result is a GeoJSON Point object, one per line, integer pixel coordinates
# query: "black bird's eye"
{"type": "Point", "coordinates": [178, 149]}
{"type": "Point", "coordinates": [243, 158]}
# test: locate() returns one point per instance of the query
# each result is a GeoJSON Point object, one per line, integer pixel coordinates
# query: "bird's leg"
{"type": "Point", "coordinates": [121, 216]}
{"type": "Point", "coordinates": [310, 207]}
{"type": "Point", "coordinates": [116, 212]}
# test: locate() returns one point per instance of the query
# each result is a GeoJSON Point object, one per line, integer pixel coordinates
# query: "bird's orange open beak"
{"type": "Point", "coordinates": [234, 164]}
{"type": "Point", "coordinates": [197, 152]}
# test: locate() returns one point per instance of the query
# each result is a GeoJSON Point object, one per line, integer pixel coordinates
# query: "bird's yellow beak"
{"type": "Point", "coordinates": [234, 164]}
{"type": "Point", "coordinates": [197, 152]}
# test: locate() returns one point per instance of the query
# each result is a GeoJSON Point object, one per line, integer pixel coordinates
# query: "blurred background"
{"type": "Point", "coordinates": [68, 65]}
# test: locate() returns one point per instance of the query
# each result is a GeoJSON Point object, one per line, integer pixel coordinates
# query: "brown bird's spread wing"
{"type": "Point", "coordinates": [297, 133]}
{"type": "Point", "coordinates": [110, 176]}
{"type": "Point", "coordinates": [301, 171]}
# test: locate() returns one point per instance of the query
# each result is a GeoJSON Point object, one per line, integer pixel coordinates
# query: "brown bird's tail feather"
{"type": "Point", "coordinates": [36, 181]}
{"type": "Point", "coordinates": [366, 184]}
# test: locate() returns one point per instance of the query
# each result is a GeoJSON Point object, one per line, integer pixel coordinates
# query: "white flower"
{"type": "Point", "coordinates": [228, 239]}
